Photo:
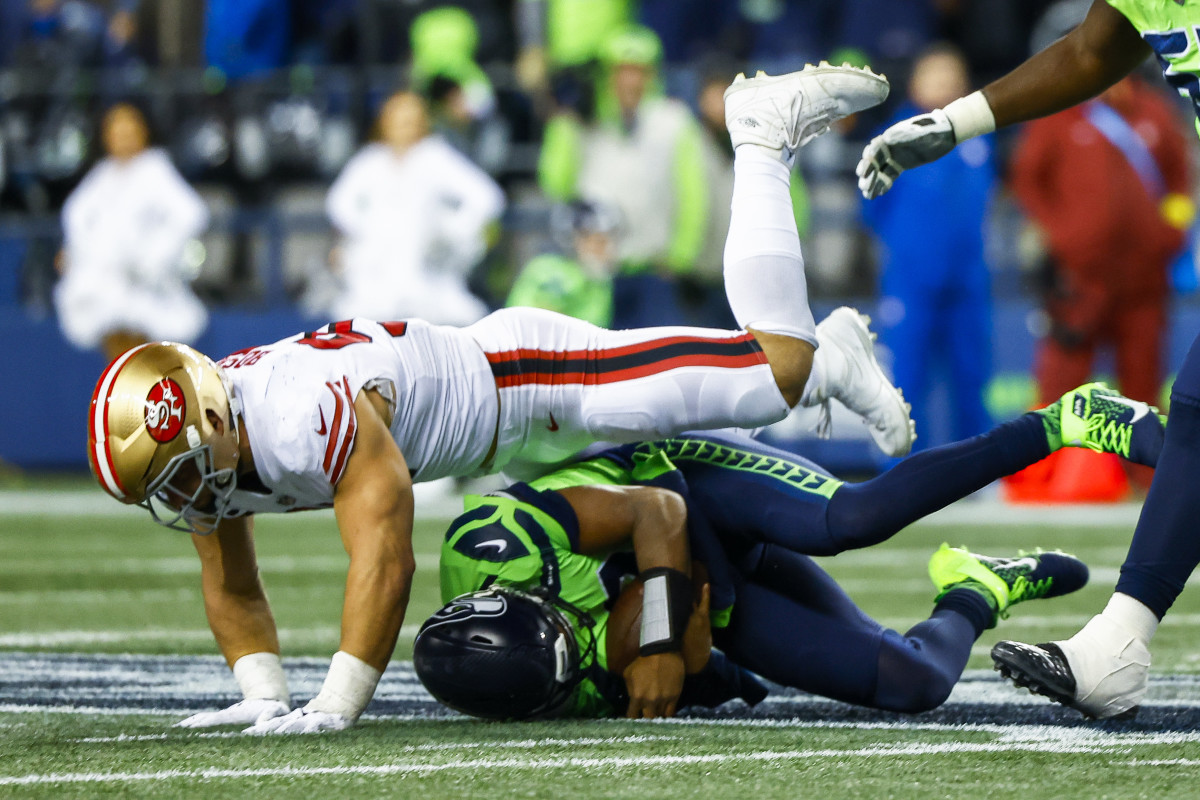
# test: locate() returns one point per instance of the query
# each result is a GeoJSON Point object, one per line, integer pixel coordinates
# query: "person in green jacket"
{"type": "Point", "coordinates": [641, 152]}
{"type": "Point", "coordinates": [578, 283]}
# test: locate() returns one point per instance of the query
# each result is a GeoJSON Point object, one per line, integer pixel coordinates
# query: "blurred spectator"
{"type": "Point", "coordinates": [59, 33]}
{"type": "Point", "coordinates": [555, 35]}
{"type": "Point", "coordinates": [641, 154]}
{"type": "Point", "coordinates": [935, 305]}
{"type": "Point", "coordinates": [461, 96]}
{"type": "Point", "coordinates": [443, 44]}
{"type": "Point", "coordinates": [1107, 185]}
{"type": "Point", "coordinates": [415, 216]}
{"type": "Point", "coordinates": [703, 297]}
{"type": "Point", "coordinates": [579, 284]}
{"type": "Point", "coordinates": [126, 228]}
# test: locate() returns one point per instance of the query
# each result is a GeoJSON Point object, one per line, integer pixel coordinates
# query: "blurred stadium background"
{"type": "Point", "coordinates": [259, 104]}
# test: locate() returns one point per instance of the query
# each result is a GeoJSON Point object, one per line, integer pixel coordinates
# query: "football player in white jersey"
{"type": "Point", "coordinates": [351, 415]}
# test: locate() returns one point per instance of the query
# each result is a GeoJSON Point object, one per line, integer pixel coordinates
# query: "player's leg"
{"type": "Point", "coordinates": [565, 383]}
{"type": "Point", "coordinates": [794, 625]}
{"type": "Point", "coordinates": [776, 496]}
{"type": "Point", "coordinates": [769, 119]}
{"type": "Point", "coordinates": [1102, 670]}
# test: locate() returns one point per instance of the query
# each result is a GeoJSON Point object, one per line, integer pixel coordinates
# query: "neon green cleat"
{"type": "Point", "coordinates": [1006, 581]}
{"type": "Point", "coordinates": [1102, 419]}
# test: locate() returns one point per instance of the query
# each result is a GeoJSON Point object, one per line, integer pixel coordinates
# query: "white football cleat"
{"type": "Point", "coordinates": [1102, 671]}
{"type": "Point", "coordinates": [851, 374]}
{"type": "Point", "coordinates": [785, 112]}
{"type": "Point", "coordinates": [1111, 667]}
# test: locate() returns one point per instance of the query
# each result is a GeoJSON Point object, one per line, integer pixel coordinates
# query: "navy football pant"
{"type": "Point", "coordinates": [764, 494]}
{"type": "Point", "coordinates": [794, 625]}
{"type": "Point", "coordinates": [1166, 543]}
{"type": "Point", "coordinates": [791, 622]}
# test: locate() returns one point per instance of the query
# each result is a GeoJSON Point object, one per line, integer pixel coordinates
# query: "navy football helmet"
{"type": "Point", "coordinates": [501, 653]}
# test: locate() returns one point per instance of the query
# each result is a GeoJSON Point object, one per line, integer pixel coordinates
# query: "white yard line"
{"type": "Point", "coordinates": [1052, 741]}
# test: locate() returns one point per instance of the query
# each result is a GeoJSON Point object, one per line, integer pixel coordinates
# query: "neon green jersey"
{"type": "Point", "coordinates": [528, 536]}
{"type": "Point", "coordinates": [1172, 29]}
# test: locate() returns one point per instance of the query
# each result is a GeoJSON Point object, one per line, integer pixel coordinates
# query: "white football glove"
{"type": "Point", "coordinates": [247, 712]}
{"type": "Point", "coordinates": [907, 144]}
{"type": "Point", "coordinates": [302, 720]}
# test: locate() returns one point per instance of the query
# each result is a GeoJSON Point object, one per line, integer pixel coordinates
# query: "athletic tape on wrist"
{"type": "Point", "coordinates": [348, 687]}
{"type": "Point", "coordinates": [261, 677]}
{"type": "Point", "coordinates": [666, 608]}
{"type": "Point", "coordinates": [970, 116]}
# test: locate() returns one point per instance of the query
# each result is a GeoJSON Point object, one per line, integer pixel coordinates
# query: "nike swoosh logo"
{"type": "Point", "coordinates": [553, 426]}
{"type": "Point", "coordinates": [1139, 409]}
{"type": "Point", "coordinates": [499, 544]}
{"type": "Point", "coordinates": [321, 431]}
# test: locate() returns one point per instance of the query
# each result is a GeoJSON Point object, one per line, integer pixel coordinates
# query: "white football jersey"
{"type": "Point", "coordinates": [297, 402]}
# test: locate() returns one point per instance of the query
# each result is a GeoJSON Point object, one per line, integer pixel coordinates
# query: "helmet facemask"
{"type": "Point", "coordinates": [191, 494]}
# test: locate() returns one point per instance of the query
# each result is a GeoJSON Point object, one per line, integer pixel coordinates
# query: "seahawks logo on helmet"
{"type": "Point", "coordinates": [502, 653]}
{"type": "Point", "coordinates": [481, 604]}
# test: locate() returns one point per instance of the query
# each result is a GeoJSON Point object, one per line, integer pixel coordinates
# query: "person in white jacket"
{"type": "Point", "coordinates": [125, 228]}
{"type": "Point", "coordinates": [414, 214]}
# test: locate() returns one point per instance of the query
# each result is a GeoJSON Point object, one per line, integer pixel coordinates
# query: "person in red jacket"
{"type": "Point", "coordinates": [1108, 184]}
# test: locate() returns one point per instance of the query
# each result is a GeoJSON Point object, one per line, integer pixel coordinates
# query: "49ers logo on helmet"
{"type": "Point", "coordinates": [164, 410]}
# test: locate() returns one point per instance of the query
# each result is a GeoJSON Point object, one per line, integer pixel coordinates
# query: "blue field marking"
{"type": "Point", "coordinates": [181, 685]}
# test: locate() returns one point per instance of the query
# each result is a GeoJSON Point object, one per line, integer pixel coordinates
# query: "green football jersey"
{"type": "Point", "coordinates": [1172, 29]}
{"type": "Point", "coordinates": [528, 536]}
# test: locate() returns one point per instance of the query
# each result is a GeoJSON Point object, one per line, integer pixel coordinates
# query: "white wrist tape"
{"type": "Point", "coordinates": [261, 677]}
{"type": "Point", "coordinates": [348, 687]}
{"type": "Point", "coordinates": [970, 116]}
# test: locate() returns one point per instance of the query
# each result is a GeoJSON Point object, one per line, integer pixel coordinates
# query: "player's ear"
{"type": "Point", "coordinates": [215, 420]}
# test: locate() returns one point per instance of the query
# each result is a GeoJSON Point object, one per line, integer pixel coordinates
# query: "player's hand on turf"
{"type": "Point", "coordinates": [247, 712]}
{"type": "Point", "coordinates": [907, 144]}
{"type": "Point", "coordinates": [302, 720]}
{"type": "Point", "coordinates": [697, 639]}
{"type": "Point", "coordinates": [654, 683]}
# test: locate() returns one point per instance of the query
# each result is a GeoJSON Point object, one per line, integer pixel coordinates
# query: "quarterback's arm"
{"type": "Point", "coordinates": [1104, 48]}
{"type": "Point", "coordinates": [655, 521]}
{"type": "Point", "coordinates": [242, 623]}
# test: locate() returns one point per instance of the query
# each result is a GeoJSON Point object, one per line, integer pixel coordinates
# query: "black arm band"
{"type": "Point", "coordinates": [666, 609]}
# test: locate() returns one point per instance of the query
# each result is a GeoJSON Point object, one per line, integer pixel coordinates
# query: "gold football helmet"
{"type": "Point", "coordinates": [162, 433]}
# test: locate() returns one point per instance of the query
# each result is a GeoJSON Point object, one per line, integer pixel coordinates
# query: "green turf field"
{"type": "Point", "coordinates": [103, 644]}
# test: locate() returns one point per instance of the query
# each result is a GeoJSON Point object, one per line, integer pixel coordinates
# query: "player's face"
{"type": "Point", "coordinates": [125, 134]}
{"type": "Point", "coordinates": [937, 79]}
{"type": "Point", "coordinates": [597, 253]}
{"type": "Point", "coordinates": [629, 85]}
{"type": "Point", "coordinates": [403, 121]}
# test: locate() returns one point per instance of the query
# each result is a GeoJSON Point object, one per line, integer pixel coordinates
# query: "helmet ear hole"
{"type": "Point", "coordinates": [215, 420]}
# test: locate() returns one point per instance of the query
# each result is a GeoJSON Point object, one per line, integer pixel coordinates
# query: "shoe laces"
{"type": "Point", "coordinates": [824, 427]}
{"type": "Point", "coordinates": [1106, 435]}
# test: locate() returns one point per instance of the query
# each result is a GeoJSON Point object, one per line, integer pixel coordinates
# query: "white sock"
{"type": "Point", "coordinates": [764, 267]}
{"type": "Point", "coordinates": [1131, 615]}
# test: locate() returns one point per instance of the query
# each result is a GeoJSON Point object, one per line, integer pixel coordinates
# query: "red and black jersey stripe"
{"type": "Point", "coordinates": [594, 367]}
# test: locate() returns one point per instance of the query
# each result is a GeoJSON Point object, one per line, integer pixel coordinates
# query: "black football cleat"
{"type": "Point", "coordinates": [1043, 669]}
